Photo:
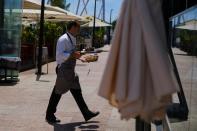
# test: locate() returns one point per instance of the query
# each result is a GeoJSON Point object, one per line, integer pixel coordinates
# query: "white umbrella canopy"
{"type": "Point", "coordinates": [139, 79]}
{"type": "Point", "coordinates": [58, 9]}
{"type": "Point", "coordinates": [32, 14]}
{"type": "Point", "coordinates": [32, 11]}
{"type": "Point", "coordinates": [30, 4]}
{"type": "Point", "coordinates": [98, 22]}
{"type": "Point", "coordinates": [189, 25]}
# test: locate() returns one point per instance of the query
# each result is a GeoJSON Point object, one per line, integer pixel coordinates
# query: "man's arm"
{"type": "Point", "coordinates": [61, 50]}
{"type": "Point", "coordinates": [64, 53]}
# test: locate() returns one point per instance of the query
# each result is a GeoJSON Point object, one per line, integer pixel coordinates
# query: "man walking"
{"type": "Point", "coordinates": [67, 79]}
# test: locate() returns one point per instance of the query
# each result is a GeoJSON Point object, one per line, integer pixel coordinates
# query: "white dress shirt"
{"type": "Point", "coordinates": [64, 48]}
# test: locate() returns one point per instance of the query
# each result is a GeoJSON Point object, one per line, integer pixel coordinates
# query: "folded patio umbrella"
{"type": "Point", "coordinates": [139, 78]}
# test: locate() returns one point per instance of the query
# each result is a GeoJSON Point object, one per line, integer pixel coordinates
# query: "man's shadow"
{"type": "Point", "coordinates": [84, 126]}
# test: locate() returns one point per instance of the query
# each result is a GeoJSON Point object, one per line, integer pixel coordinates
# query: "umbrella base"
{"type": "Point", "coordinates": [177, 113]}
{"type": "Point", "coordinates": [141, 125]}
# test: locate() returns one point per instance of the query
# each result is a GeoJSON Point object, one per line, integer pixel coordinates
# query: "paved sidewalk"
{"type": "Point", "coordinates": [23, 106]}
{"type": "Point", "coordinates": [187, 67]}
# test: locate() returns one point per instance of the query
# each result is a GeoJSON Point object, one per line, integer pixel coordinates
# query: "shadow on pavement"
{"type": "Point", "coordinates": [7, 83]}
{"type": "Point", "coordinates": [84, 126]}
{"type": "Point", "coordinates": [39, 80]}
{"type": "Point", "coordinates": [38, 77]}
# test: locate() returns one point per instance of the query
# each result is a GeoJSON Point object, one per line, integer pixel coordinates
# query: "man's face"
{"type": "Point", "coordinates": [76, 30]}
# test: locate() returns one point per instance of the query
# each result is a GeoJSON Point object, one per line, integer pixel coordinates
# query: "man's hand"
{"type": "Point", "coordinates": [76, 54]}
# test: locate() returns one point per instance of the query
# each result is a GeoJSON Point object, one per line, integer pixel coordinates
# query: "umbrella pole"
{"type": "Point", "coordinates": [93, 32]}
{"type": "Point", "coordinates": [41, 40]}
{"type": "Point", "coordinates": [141, 125]}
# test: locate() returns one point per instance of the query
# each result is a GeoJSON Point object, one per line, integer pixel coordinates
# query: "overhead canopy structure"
{"type": "Point", "coordinates": [30, 4]}
{"type": "Point", "coordinates": [98, 22]}
{"type": "Point", "coordinates": [32, 14]}
{"type": "Point", "coordinates": [189, 25]}
{"type": "Point", "coordinates": [186, 19]}
{"type": "Point", "coordinates": [60, 10]}
{"type": "Point", "coordinates": [31, 10]}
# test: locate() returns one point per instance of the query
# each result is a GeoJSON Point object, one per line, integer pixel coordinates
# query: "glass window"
{"type": "Point", "coordinates": [10, 27]}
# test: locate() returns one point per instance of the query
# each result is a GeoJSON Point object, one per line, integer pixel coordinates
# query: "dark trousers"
{"type": "Point", "coordinates": [55, 98]}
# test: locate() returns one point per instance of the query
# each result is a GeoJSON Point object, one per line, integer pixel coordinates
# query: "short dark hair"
{"type": "Point", "coordinates": [72, 24]}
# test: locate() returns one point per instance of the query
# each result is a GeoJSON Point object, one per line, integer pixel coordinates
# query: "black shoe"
{"type": "Point", "coordinates": [90, 115]}
{"type": "Point", "coordinates": [52, 119]}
